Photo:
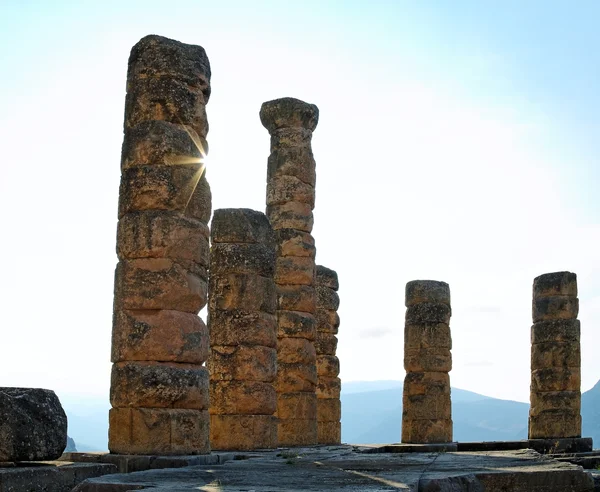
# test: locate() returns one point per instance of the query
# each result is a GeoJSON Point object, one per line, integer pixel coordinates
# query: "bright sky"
{"type": "Point", "coordinates": [457, 142]}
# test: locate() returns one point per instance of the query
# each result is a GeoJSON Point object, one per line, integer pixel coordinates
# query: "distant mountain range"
{"type": "Point", "coordinates": [371, 414]}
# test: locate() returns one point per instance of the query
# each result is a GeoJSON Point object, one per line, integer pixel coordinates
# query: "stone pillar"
{"type": "Point", "coordinates": [555, 410]}
{"type": "Point", "coordinates": [290, 201]}
{"type": "Point", "coordinates": [159, 389]}
{"type": "Point", "coordinates": [243, 331]}
{"type": "Point", "coordinates": [426, 412]}
{"type": "Point", "coordinates": [329, 407]}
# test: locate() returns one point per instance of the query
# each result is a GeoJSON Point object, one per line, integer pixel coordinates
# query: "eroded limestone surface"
{"type": "Point", "coordinates": [159, 389]}
{"type": "Point", "coordinates": [555, 409]}
{"type": "Point", "coordinates": [342, 468]}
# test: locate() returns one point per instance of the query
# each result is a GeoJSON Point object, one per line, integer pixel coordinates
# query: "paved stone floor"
{"type": "Point", "coordinates": [346, 468]}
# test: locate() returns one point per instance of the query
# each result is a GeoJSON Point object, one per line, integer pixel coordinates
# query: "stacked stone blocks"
{"type": "Point", "coordinates": [555, 410]}
{"type": "Point", "coordinates": [290, 200]}
{"type": "Point", "coordinates": [426, 413]}
{"type": "Point", "coordinates": [329, 407]}
{"type": "Point", "coordinates": [159, 388]}
{"type": "Point", "coordinates": [243, 331]}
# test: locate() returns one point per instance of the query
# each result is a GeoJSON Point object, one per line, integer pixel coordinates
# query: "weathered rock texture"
{"type": "Point", "coordinates": [329, 406]}
{"type": "Point", "coordinates": [426, 412]}
{"type": "Point", "coordinates": [290, 201]}
{"type": "Point", "coordinates": [159, 389]}
{"type": "Point", "coordinates": [33, 425]}
{"type": "Point", "coordinates": [555, 409]}
{"type": "Point", "coordinates": [242, 322]}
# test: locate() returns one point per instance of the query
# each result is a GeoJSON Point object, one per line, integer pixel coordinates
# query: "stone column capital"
{"type": "Point", "coordinates": [288, 112]}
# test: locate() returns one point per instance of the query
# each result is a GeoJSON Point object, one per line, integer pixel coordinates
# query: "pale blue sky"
{"type": "Point", "coordinates": [457, 142]}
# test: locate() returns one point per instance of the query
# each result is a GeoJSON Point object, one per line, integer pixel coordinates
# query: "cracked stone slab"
{"type": "Point", "coordinates": [341, 468]}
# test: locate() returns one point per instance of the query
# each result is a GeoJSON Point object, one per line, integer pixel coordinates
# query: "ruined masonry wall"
{"type": "Point", "coordinates": [555, 410]}
{"type": "Point", "coordinates": [426, 406]}
{"type": "Point", "coordinates": [159, 389]}
{"type": "Point", "coordinates": [243, 331]}
{"type": "Point", "coordinates": [290, 201]}
{"type": "Point", "coordinates": [329, 407]}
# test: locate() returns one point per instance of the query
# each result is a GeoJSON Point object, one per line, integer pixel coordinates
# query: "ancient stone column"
{"type": "Point", "coordinates": [426, 412]}
{"type": "Point", "coordinates": [159, 388]}
{"type": "Point", "coordinates": [555, 410]}
{"type": "Point", "coordinates": [243, 331]}
{"type": "Point", "coordinates": [329, 407]}
{"type": "Point", "coordinates": [290, 201]}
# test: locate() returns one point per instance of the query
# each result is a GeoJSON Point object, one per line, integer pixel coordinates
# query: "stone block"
{"type": "Point", "coordinates": [293, 242]}
{"type": "Point", "coordinates": [296, 351]}
{"type": "Point", "coordinates": [328, 366]}
{"type": "Point", "coordinates": [159, 385]}
{"type": "Point", "coordinates": [556, 330]}
{"type": "Point", "coordinates": [297, 161]}
{"type": "Point", "coordinates": [555, 284]}
{"type": "Point", "coordinates": [159, 57]}
{"type": "Point", "coordinates": [242, 398]}
{"type": "Point", "coordinates": [327, 298]}
{"type": "Point", "coordinates": [166, 99]}
{"type": "Point", "coordinates": [329, 410]}
{"type": "Point", "coordinates": [327, 277]}
{"type": "Point", "coordinates": [555, 307]}
{"type": "Point", "coordinates": [163, 431]}
{"type": "Point", "coordinates": [326, 343]}
{"type": "Point", "coordinates": [426, 407]}
{"type": "Point", "coordinates": [160, 143]}
{"type": "Point", "coordinates": [297, 432]}
{"type": "Point", "coordinates": [556, 379]}
{"type": "Point", "coordinates": [242, 291]}
{"type": "Point", "coordinates": [427, 291]}
{"type": "Point", "coordinates": [329, 433]}
{"type": "Point", "coordinates": [555, 354]}
{"type": "Point", "coordinates": [555, 423]}
{"type": "Point", "coordinates": [296, 298]}
{"type": "Point", "coordinates": [426, 431]}
{"type": "Point", "coordinates": [296, 324]}
{"type": "Point", "coordinates": [285, 138]}
{"type": "Point", "coordinates": [328, 321]}
{"type": "Point", "coordinates": [294, 270]}
{"type": "Point", "coordinates": [257, 259]}
{"type": "Point", "coordinates": [427, 336]}
{"type": "Point", "coordinates": [284, 189]}
{"type": "Point", "coordinates": [296, 378]}
{"type": "Point", "coordinates": [428, 360]}
{"type": "Point", "coordinates": [427, 383]}
{"type": "Point", "coordinates": [288, 112]}
{"type": "Point", "coordinates": [242, 362]}
{"type": "Point", "coordinates": [291, 215]}
{"type": "Point", "coordinates": [237, 327]}
{"type": "Point", "coordinates": [162, 234]}
{"type": "Point", "coordinates": [428, 312]}
{"type": "Point", "coordinates": [329, 388]}
{"type": "Point", "coordinates": [159, 283]}
{"type": "Point", "coordinates": [159, 335]}
{"type": "Point", "coordinates": [176, 188]}
{"type": "Point", "coordinates": [241, 225]}
{"type": "Point", "coordinates": [569, 401]}
{"type": "Point", "coordinates": [297, 406]}
{"type": "Point", "coordinates": [243, 432]}
{"type": "Point", "coordinates": [33, 426]}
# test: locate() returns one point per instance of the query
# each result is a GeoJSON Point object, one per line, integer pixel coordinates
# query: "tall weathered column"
{"type": "Point", "coordinates": [243, 331]}
{"type": "Point", "coordinates": [329, 407]}
{"type": "Point", "coordinates": [555, 410]}
{"type": "Point", "coordinates": [290, 201]}
{"type": "Point", "coordinates": [159, 389]}
{"type": "Point", "coordinates": [426, 412]}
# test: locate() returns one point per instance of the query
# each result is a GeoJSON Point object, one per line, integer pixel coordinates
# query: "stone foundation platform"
{"type": "Point", "coordinates": [128, 463]}
{"type": "Point", "coordinates": [337, 468]}
{"type": "Point", "coordinates": [49, 476]}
